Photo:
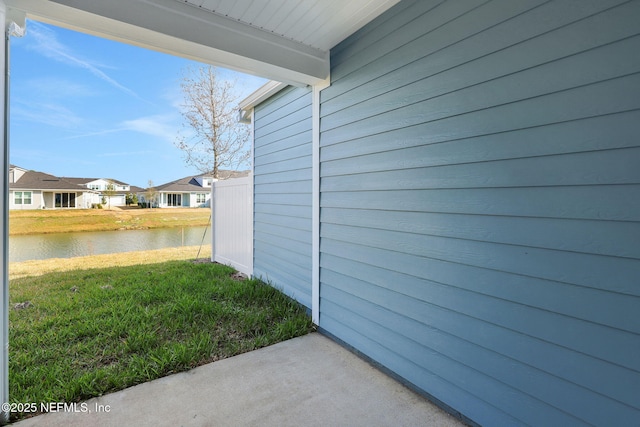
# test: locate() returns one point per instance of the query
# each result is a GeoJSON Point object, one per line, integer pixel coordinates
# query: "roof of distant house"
{"type": "Point", "coordinates": [33, 180]}
{"type": "Point", "coordinates": [84, 181]}
{"type": "Point", "coordinates": [181, 185]}
{"type": "Point", "coordinates": [190, 183]}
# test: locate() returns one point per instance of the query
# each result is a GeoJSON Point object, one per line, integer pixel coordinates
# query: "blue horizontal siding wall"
{"type": "Point", "coordinates": [282, 185]}
{"type": "Point", "coordinates": [480, 205]}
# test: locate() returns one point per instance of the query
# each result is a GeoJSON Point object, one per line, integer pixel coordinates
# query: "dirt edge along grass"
{"type": "Point", "coordinates": [85, 333]}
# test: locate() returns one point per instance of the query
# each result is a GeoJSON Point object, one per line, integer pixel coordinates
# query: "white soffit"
{"type": "Point", "coordinates": [320, 24]}
{"type": "Point", "coordinates": [284, 40]}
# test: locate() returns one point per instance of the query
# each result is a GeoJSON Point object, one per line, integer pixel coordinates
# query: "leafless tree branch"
{"type": "Point", "coordinates": [209, 110]}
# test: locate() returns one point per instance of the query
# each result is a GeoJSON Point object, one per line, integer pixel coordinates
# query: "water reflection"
{"type": "Point", "coordinates": [68, 245]}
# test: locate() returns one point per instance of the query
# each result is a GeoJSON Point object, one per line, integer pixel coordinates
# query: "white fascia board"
{"type": "Point", "coordinates": [183, 30]}
{"type": "Point", "coordinates": [263, 93]}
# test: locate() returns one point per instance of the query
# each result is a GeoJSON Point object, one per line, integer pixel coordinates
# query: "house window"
{"type": "Point", "coordinates": [22, 198]}
{"type": "Point", "coordinates": [174, 199]}
{"type": "Point", "coordinates": [65, 200]}
{"type": "Point", "coordinates": [201, 198]}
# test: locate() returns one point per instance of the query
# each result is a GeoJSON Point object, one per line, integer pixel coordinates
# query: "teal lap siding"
{"type": "Point", "coordinates": [480, 205]}
{"type": "Point", "coordinates": [282, 199]}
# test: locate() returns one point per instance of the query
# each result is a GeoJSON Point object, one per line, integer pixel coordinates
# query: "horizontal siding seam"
{"type": "Point", "coordinates": [486, 268]}
{"type": "Point", "coordinates": [478, 187]}
{"type": "Point", "coordinates": [295, 229]}
{"type": "Point", "coordinates": [478, 135]}
{"type": "Point", "coordinates": [286, 278]}
{"type": "Point", "coordinates": [371, 31]}
{"type": "Point", "coordinates": [305, 156]}
{"type": "Point", "coordinates": [289, 147]}
{"type": "Point", "coordinates": [264, 135]}
{"type": "Point", "coordinates": [368, 64]}
{"type": "Point", "coordinates": [497, 325]}
{"type": "Point", "coordinates": [256, 166]}
{"type": "Point", "coordinates": [262, 121]}
{"type": "Point", "coordinates": [478, 292]}
{"type": "Point", "coordinates": [455, 337]}
{"type": "Point", "coordinates": [458, 41]}
{"type": "Point", "coordinates": [452, 163]}
{"type": "Point", "coordinates": [260, 237]}
{"type": "Point", "coordinates": [279, 101]}
{"type": "Point", "coordinates": [410, 361]}
{"type": "Point", "coordinates": [297, 205]}
{"type": "Point", "coordinates": [410, 82]}
{"type": "Point", "coordinates": [299, 240]}
{"type": "Point", "coordinates": [481, 241]}
{"type": "Point", "coordinates": [489, 107]}
{"type": "Point", "coordinates": [325, 206]}
{"type": "Point", "coordinates": [279, 245]}
{"type": "Point", "coordinates": [455, 361]}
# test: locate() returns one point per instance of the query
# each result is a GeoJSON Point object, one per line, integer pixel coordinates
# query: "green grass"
{"type": "Point", "coordinates": [96, 331]}
{"type": "Point", "coordinates": [68, 220]}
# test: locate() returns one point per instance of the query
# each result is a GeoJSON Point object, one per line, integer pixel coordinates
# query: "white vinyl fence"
{"type": "Point", "coordinates": [232, 223]}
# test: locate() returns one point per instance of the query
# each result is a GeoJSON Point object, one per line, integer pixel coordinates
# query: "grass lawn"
{"type": "Point", "coordinates": [89, 332]}
{"type": "Point", "coordinates": [67, 220]}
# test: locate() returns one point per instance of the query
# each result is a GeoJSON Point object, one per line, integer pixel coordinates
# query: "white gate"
{"type": "Point", "coordinates": [232, 223]}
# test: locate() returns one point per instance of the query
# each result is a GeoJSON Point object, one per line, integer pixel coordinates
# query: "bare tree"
{"type": "Point", "coordinates": [150, 194]}
{"type": "Point", "coordinates": [109, 191]}
{"type": "Point", "coordinates": [218, 140]}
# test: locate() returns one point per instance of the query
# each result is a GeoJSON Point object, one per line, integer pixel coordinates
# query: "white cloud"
{"type": "Point", "coordinates": [161, 126]}
{"type": "Point", "coordinates": [127, 153]}
{"type": "Point", "coordinates": [47, 44]}
{"type": "Point", "coordinates": [55, 88]}
{"type": "Point", "coordinates": [48, 114]}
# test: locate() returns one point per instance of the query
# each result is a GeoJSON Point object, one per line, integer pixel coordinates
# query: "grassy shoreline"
{"type": "Point", "coordinates": [71, 220]}
{"type": "Point", "coordinates": [34, 268]}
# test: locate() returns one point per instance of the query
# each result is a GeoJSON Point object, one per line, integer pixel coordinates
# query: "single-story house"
{"type": "Point", "coordinates": [30, 189]}
{"type": "Point", "coordinates": [120, 189]}
{"type": "Point", "coordinates": [451, 187]}
{"type": "Point", "coordinates": [188, 192]}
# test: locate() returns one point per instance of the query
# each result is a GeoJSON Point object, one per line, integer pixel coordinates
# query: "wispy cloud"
{"type": "Point", "coordinates": [47, 44]}
{"type": "Point", "coordinates": [56, 88]}
{"type": "Point", "coordinates": [161, 126]}
{"type": "Point", "coordinates": [49, 114]}
{"type": "Point", "coordinates": [126, 153]}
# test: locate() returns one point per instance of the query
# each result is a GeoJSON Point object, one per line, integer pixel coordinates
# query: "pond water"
{"type": "Point", "coordinates": [68, 245]}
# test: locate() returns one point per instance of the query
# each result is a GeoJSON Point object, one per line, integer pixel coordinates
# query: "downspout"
{"type": "Point", "coordinates": [253, 186]}
{"type": "Point", "coordinates": [212, 202]}
{"type": "Point", "coordinates": [12, 29]}
{"type": "Point", "coordinates": [315, 201]}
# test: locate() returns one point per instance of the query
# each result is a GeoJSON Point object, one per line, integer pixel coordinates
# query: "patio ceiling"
{"type": "Point", "coordinates": [284, 40]}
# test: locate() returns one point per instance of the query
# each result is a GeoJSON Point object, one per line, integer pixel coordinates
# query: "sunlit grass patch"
{"type": "Point", "coordinates": [90, 332]}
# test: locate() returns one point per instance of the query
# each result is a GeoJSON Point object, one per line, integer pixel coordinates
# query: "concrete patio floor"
{"type": "Point", "coordinates": [310, 380]}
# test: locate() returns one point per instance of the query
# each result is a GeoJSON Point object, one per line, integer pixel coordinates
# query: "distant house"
{"type": "Point", "coordinates": [121, 189]}
{"type": "Point", "coordinates": [188, 192]}
{"type": "Point", "coordinates": [37, 190]}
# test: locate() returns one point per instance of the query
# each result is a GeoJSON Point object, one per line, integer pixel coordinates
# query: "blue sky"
{"type": "Point", "coordinates": [84, 106]}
